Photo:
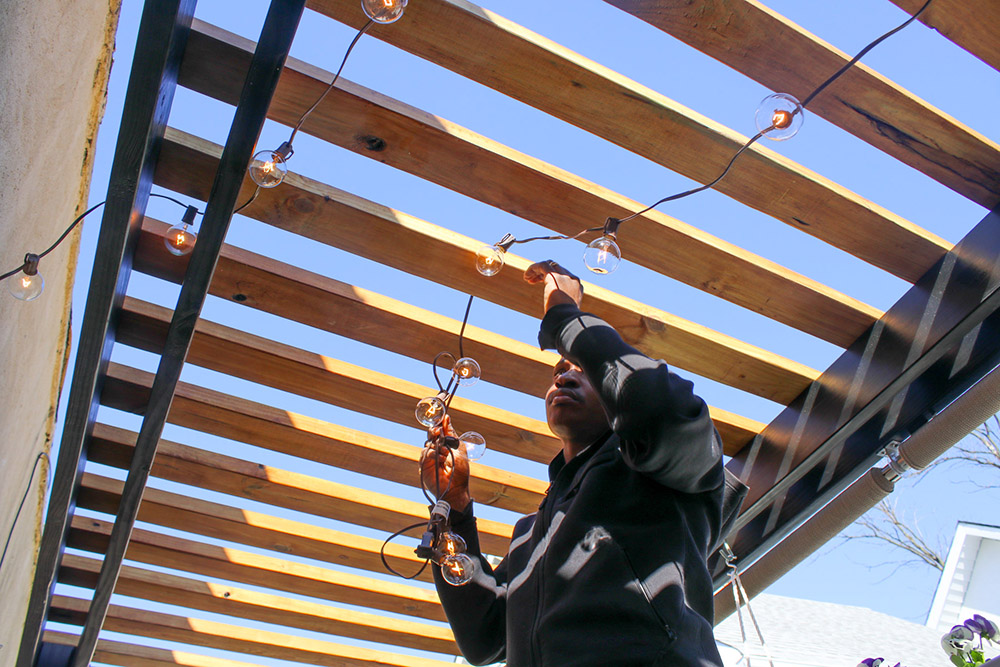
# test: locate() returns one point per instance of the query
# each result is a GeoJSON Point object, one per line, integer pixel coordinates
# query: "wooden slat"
{"type": "Point", "coordinates": [196, 407]}
{"type": "Point", "coordinates": [308, 298]}
{"type": "Point", "coordinates": [755, 40]}
{"type": "Point", "coordinates": [972, 24]}
{"type": "Point", "coordinates": [341, 503]}
{"type": "Point", "coordinates": [264, 607]}
{"type": "Point", "coordinates": [280, 574]}
{"type": "Point", "coordinates": [498, 53]}
{"type": "Point", "coordinates": [226, 637]}
{"type": "Point", "coordinates": [226, 474]}
{"type": "Point", "coordinates": [454, 157]}
{"type": "Point", "coordinates": [133, 655]}
{"type": "Point", "coordinates": [321, 378]}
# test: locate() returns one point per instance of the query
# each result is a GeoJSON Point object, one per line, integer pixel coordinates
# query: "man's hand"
{"type": "Point", "coordinates": [443, 468]}
{"type": "Point", "coordinates": [561, 286]}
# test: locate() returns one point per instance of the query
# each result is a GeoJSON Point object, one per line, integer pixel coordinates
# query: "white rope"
{"type": "Point", "coordinates": [738, 590]}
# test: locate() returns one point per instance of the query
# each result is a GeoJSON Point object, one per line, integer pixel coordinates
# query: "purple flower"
{"type": "Point", "coordinates": [871, 662]}
{"type": "Point", "coordinates": [958, 641]}
{"type": "Point", "coordinates": [989, 628]}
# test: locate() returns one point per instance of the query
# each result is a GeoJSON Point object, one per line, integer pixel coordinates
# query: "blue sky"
{"type": "Point", "coordinates": [917, 58]}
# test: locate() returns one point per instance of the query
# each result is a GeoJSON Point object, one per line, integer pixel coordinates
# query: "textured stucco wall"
{"type": "Point", "coordinates": [54, 61]}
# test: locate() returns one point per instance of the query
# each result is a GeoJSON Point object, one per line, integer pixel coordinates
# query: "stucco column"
{"type": "Point", "coordinates": [55, 56]}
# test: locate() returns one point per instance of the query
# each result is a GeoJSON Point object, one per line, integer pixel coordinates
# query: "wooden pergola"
{"type": "Point", "coordinates": [897, 369]}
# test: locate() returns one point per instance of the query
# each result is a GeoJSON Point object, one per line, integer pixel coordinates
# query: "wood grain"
{"type": "Point", "coordinates": [229, 600]}
{"type": "Point", "coordinates": [972, 24]}
{"type": "Point", "coordinates": [312, 299]}
{"type": "Point", "coordinates": [781, 55]}
{"type": "Point", "coordinates": [227, 637]}
{"type": "Point", "coordinates": [457, 158]}
{"type": "Point", "coordinates": [281, 573]}
{"type": "Point", "coordinates": [485, 47]}
{"type": "Point", "coordinates": [324, 379]}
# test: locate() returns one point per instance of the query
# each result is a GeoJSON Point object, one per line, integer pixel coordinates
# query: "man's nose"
{"type": "Point", "coordinates": [566, 379]}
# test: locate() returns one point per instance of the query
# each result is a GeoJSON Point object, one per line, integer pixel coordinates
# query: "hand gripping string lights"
{"type": "Point", "coordinates": [439, 544]}
{"type": "Point", "coordinates": [779, 117]}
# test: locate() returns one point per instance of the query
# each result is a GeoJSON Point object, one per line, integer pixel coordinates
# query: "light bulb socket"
{"type": "Point", "coordinates": [285, 150]}
{"type": "Point", "coordinates": [451, 441]}
{"type": "Point", "coordinates": [611, 227]}
{"type": "Point", "coordinates": [426, 547]}
{"type": "Point", "coordinates": [506, 242]}
{"type": "Point", "coordinates": [30, 266]}
{"type": "Point", "coordinates": [440, 512]}
{"type": "Point", "coordinates": [188, 217]}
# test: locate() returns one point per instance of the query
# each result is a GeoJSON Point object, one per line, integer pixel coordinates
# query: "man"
{"type": "Point", "coordinates": [611, 569]}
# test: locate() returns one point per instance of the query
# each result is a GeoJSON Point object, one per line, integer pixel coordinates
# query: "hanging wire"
{"type": "Point", "coordinates": [737, 585]}
{"type": "Point", "coordinates": [385, 562]}
{"type": "Point", "coordinates": [336, 76]}
{"type": "Point", "coordinates": [247, 202]}
{"type": "Point", "coordinates": [41, 455]}
{"type": "Point", "coordinates": [461, 332]}
{"type": "Point", "coordinates": [746, 145]}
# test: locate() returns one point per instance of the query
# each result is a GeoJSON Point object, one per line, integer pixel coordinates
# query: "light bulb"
{"type": "Point", "coordinates": [475, 445]}
{"type": "Point", "coordinates": [268, 168]}
{"type": "Point", "coordinates": [26, 287]}
{"type": "Point", "coordinates": [783, 113]}
{"type": "Point", "coordinates": [383, 11]}
{"type": "Point", "coordinates": [489, 260]}
{"type": "Point", "coordinates": [179, 239]}
{"type": "Point", "coordinates": [602, 255]}
{"type": "Point", "coordinates": [450, 544]}
{"type": "Point", "coordinates": [458, 570]}
{"type": "Point", "coordinates": [430, 411]}
{"type": "Point", "coordinates": [27, 284]}
{"type": "Point", "coordinates": [467, 371]}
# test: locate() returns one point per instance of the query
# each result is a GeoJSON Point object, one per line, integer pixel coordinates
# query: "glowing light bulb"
{"type": "Point", "coordinates": [489, 260]}
{"type": "Point", "coordinates": [602, 255]}
{"type": "Point", "coordinates": [450, 544]}
{"type": "Point", "coordinates": [25, 287]}
{"type": "Point", "coordinates": [384, 11]}
{"type": "Point", "coordinates": [780, 116]}
{"type": "Point", "coordinates": [475, 445]}
{"type": "Point", "coordinates": [467, 371]}
{"type": "Point", "coordinates": [458, 570]}
{"type": "Point", "coordinates": [28, 284]}
{"type": "Point", "coordinates": [430, 411]}
{"type": "Point", "coordinates": [179, 239]}
{"type": "Point", "coordinates": [268, 168]}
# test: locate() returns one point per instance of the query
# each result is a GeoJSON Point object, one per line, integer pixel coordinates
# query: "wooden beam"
{"type": "Point", "coordinates": [487, 48]}
{"type": "Point", "coordinates": [229, 600]}
{"type": "Point", "coordinates": [931, 346]}
{"type": "Point", "coordinates": [972, 24]}
{"type": "Point", "coordinates": [282, 574]}
{"type": "Point", "coordinates": [776, 52]}
{"type": "Point", "coordinates": [127, 389]}
{"type": "Point", "coordinates": [454, 157]}
{"type": "Point", "coordinates": [306, 297]}
{"type": "Point", "coordinates": [227, 637]}
{"type": "Point", "coordinates": [133, 655]}
{"type": "Point", "coordinates": [226, 474]}
{"type": "Point", "coordinates": [276, 36]}
{"type": "Point", "coordinates": [160, 43]}
{"type": "Point", "coordinates": [356, 506]}
{"type": "Point", "coordinates": [318, 377]}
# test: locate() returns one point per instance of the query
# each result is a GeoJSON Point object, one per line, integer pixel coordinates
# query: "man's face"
{"type": "Point", "coordinates": [572, 406]}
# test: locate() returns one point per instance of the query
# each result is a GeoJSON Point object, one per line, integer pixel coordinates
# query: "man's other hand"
{"type": "Point", "coordinates": [561, 286]}
{"type": "Point", "coordinates": [445, 471]}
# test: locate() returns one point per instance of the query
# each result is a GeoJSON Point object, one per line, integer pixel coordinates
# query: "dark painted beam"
{"type": "Point", "coordinates": [272, 49]}
{"type": "Point", "coordinates": [937, 340]}
{"type": "Point", "coordinates": [159, 48]}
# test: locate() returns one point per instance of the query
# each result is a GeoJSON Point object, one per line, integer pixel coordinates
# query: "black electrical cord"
{"type": "Point", "coordinates": [381, 553]}
{"type": "Point", "coordinates": [247, 202]}
{"type": "Point", "coordinates": [20, 506]}
{"type": "Point", "coordinates": [746, 145]}
{"type": "Point", "coordinates": [336, 76]}
{"type": "Point", "coordinates": [75, 222]}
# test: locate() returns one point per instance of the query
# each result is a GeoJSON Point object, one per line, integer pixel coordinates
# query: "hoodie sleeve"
{"type": "Point", "coordinates": [477, 611]}
{"type": "Point", "coordinates": [665, 430]}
